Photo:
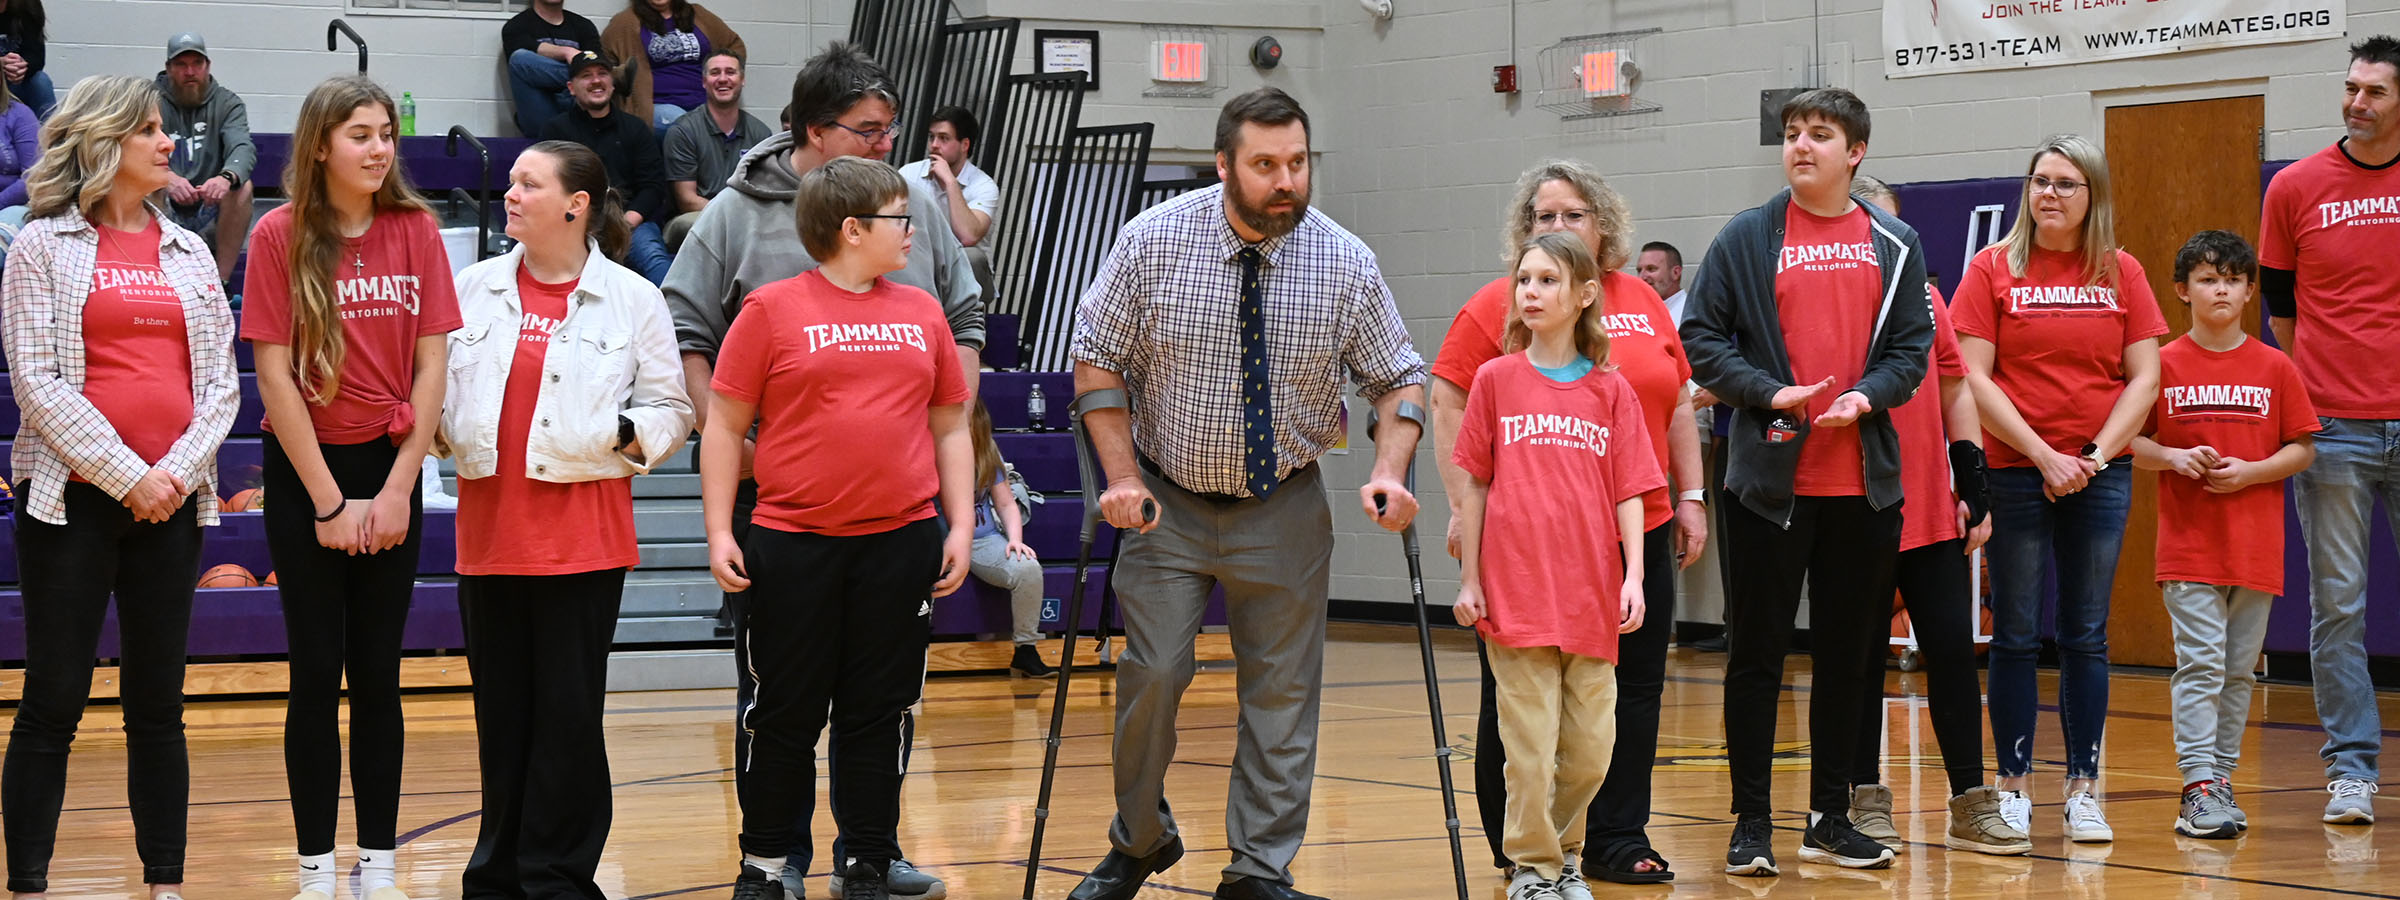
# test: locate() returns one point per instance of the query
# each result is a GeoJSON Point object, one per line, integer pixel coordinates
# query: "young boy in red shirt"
{"type": "Point", "coordinates": [860, 405]}
{"type": "Point", "coordinates": [2232, 422]}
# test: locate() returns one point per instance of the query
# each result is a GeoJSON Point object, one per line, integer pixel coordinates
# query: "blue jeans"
{"type": "Point", "coordinates": [538, 86]}
{"type": "Point", "coordinates": [2082, 533]}
{"type": "Point", "coordinates": [2357, 460]}
{"type": "Point", "coordinates": [648, 253]}
{"type": "Point", "coordinates": [37, 93]}
{"type": "Point", "coordinates": [663, 116]}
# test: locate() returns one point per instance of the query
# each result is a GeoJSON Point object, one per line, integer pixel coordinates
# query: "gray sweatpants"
{"type": "Point", "coordinates": [2219, 631]}
{"type": "Point", "coordinates": [1022, 578]}
{"type": "Point", "coordinates": [1273, 557]}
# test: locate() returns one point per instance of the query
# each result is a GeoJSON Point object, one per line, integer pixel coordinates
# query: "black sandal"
{"type": "Point", "coordinates": [1617, 864]}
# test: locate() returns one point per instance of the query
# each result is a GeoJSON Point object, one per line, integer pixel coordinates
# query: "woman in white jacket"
{"type": "Point", "coordinates": [564, 383]}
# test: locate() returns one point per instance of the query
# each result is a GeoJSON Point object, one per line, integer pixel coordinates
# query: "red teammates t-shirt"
{"type": "Point", "coordinates": [2246, 403]}
{"type": "Point", "coordinates": [2060, 341]}
{"type": "Point", "coordinates": [2337, 223]}
{"type": "Point", "coordinates": [842, 382]}
{"type": "Point", "coordinates": [393, 285]}
{"type": "Point", "coordinates": [137, 352]}
{"type": "Point", "coordinates": [1828, 287]}
{"type": "Point", "coordinates": [1642, 343]}
{"type": "Point", "coordinates": [1925, 443]}
{"type": "Point", "coordinates": [510, 524]}
{"type": "Point", "coordinates": [1559, 457]}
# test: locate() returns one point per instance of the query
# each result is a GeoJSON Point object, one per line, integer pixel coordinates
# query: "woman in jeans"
{"type": "Point", "coordinates": [117, 337]}
{"type": "Point", "coordinates": [348, 305]}
{"type": "Point", "coordinates": [564, 384]}
{"type": "Point", "coordinates": [2060, 334]}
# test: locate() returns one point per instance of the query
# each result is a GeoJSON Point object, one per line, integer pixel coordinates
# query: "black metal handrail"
{"type": "Point", "coordinates": [483, 188]}
{"type": "Point", "coordinates": [336, 28]}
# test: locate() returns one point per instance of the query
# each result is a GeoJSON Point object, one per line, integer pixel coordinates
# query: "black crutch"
{"type": "Point", "coordinates": [1433, 681]}
{"type": "Point", "coordinates": [1087, 466]}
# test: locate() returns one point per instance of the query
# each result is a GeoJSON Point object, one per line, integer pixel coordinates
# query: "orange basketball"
{"type": "Point", "coordinates": [227, 576]}
{"type": "Point", "coordinates": [1899, 630]}
{"type": "Point", "coordinates": [270, 579]}
{"type": "Point", "coordinates": [243, 500]}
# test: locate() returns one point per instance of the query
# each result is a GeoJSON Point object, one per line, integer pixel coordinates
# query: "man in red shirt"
{"type": "Point", "coordinates": [1810, 319]}
{"type": "Point", "coordinates": [2325, 257]}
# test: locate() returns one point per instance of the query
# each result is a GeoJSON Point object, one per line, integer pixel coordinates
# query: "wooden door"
{"type": "Point", "coordinates": [2179, 168]}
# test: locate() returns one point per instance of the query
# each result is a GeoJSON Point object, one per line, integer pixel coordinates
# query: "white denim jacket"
{"type": "Point", "coordinates": [614, 355]}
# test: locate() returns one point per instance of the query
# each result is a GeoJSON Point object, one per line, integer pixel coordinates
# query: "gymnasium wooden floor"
{"type": "Point", "coordinates": [1376, 828]}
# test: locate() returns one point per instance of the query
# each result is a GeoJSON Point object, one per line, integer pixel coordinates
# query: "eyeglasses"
{"type": "Point", "coordinates": [870, 135]}
{"type": "Point", "coordinates": [907, 224]}
{"type": "Point", "coordinates": [2064, 188]}
{"type": "Point", "coordinates": [1573, 217]}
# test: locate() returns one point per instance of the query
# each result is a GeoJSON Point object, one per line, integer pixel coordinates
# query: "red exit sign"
{"type": "Point", "coordinates": [1182, 61]}
{"type": "Point", "coordinates": [1600, 77]}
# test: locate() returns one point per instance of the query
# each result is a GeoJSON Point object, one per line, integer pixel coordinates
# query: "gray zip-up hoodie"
{"type": "Point", "coordinates": [1734, 339]}
{"type": "Point", "coordinates": [210, 138]}
{"type": "Point", "coordinates": [747, 239]}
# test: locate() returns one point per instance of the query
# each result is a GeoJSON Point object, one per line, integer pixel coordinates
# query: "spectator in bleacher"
{"type": "Point", "coordinates": [1001, 558]}
{"type": "Point", "coordinates": [663, 43]}
{"type": "Point", "coordinates": [969, 197]}
{"type": "Point", "coordinates": [20, 147]}
{"type": "Point", "coordinates": [210, 191]}
{"type": "Point", "coordinates": [347, 301]}
{"type": "Point", "coordinates": [843, 105]}
{"type": "Point", "coordinates": [537, 44]}
{"type": "Point", "coordinates": [23, 53]}
{"type": "Point", "coordinates": [540, 600]}
{"type": "Point", "coordinates": [117, 338]}
{"type": "Point", "coordinates": [703, 148]}
{"type": "Point", "coordinates": [626, 146]}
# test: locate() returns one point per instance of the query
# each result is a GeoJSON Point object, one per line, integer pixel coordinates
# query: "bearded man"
{"type": "Point", "coordinates": [210, 190]}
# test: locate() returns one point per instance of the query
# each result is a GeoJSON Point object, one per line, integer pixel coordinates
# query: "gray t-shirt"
{"type": "Point", "coordinates": [697, 152]}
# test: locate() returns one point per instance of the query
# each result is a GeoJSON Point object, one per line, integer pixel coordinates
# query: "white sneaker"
{"type": "Point", "coordinates": [2353, 802]}
{"type": "Point", "coordinates": [1526, 885]}
{"type": "Point", "coordinates": [2085, 824]}
{"type": "Point", "coordinates": [2017, 810]}
{"type": "Point", "coordinates": [1570, 880]}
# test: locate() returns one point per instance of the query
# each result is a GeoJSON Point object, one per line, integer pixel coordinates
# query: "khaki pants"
{"type": "Point", "coordinates": [1558, 722]}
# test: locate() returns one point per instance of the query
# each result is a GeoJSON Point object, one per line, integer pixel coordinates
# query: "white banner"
{"type": "Point", "coordinates": [1932, 37]}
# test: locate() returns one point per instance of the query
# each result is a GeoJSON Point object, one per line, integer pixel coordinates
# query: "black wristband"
{"type": "Point", "coordinates": [1969, 478]}
{"type": "Point", "coordinates": [335, 514]}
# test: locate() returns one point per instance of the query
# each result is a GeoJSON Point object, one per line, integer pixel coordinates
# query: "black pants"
{"type": "Point", "coordinates": [839, 623]}
{"type": "Point", "coordinates": [342, 615]}
{"type": "Point", "coordinates": [1845, 549]}
{"type": "Point", "coordinates": [67, 573]}
{"type": "Point", "coordinates": [1933, 582]}
{"type": "Point", "coordinates": [538, 645]}
{"type": "Point", "coordinates": [1622, 809]}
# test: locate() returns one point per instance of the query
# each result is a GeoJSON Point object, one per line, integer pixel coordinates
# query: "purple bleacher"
{"type": "Point", "coordinates": [425, 158]}
{"type": "Point", "coordinates": [241, 538]}
{"type": "Point", "coordinates": [986, 609]}
{"type": "Point", "coordinates": [1000, 335]}
{"type": "Point", "coordinates": [1045, 458]}
{"type": "Point", "coordinates": [239, 621]}
{"type": "Point", "coordinates": [245, 422]}
{"type": "Point", "coordinates": [1005, 392]}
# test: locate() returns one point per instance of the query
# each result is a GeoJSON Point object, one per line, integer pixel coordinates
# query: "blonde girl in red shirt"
{"type": "Point", "coordinates": [1558, 459]}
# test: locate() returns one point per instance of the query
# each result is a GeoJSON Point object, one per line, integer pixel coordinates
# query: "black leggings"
{"type": "Point", "coordinates": [342, 615]}
{"type": "Point", "coordinates": [1622, 809]}
{"type": "Point", "coordinates": [69, 571]}
{"type": "Point", "coordinates": [1933, 582]}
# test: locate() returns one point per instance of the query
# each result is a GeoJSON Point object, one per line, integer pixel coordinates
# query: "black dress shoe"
{"type": "Point", "coordinates": [1260, 889]}
{"type": "Point", "coordinates": [1119, 876]}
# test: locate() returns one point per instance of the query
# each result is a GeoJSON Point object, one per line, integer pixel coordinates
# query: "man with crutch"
{"type": "Point", "coordinates": [1230, 315]}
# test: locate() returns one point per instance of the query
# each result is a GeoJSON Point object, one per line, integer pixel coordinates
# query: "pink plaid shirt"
{"type": "Point", "coordinates": [49, 277]}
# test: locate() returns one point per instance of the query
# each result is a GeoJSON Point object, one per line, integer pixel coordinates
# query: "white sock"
{"type": "Point", "coordinates": [375, 870]}
{"type": "Point", "coordinates": [772, 868]}
{"type": "Point", "coordinates": [316, 873]}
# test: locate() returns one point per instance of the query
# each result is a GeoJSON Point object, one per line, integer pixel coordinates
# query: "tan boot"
{"type": "Point", "coordinates": [1976, 824]}
{"type": "Point", "coordinates": [1871, 814]}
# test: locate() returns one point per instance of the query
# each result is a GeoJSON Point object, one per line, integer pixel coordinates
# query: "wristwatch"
{"type": "Point", "coordinates": [2092, 452]}
{"type": "Point", "coordinates": [231, 180]}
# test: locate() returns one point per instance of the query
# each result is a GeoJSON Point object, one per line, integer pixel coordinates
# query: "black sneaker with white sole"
{"type": "Point", "coordinates": [753, 884]}
{"type": "Point", "coordinates": [1752, 849]}
{"type": "Point", "coordinates": [1832, 841]}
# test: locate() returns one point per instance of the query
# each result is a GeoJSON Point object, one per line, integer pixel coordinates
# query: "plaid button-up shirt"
{"type": "Point", "coordinates": [1163, 310]}
{"type": "Point", "coordinates": [60, 432]}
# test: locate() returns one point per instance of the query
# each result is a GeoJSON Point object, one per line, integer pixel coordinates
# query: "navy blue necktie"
{"type": "Point", "coordinates": [1258, 408]}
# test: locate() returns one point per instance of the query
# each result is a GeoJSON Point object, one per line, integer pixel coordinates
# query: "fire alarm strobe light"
{"type": "Point", "coordinates": [1179, 61]}
{"type": "Point", "coordinates": [1606, 73]}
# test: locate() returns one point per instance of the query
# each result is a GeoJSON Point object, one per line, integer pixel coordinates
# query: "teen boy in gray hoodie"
{"type": "Point", "coordinates": [842, 105]}
{"type": "Point", "coordinates": [1810, 291]}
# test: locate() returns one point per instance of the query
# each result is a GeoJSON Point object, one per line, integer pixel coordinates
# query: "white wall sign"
{"type": "Point", "coordinates": [1932, 37]}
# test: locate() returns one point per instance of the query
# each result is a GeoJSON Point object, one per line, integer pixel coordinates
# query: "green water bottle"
{"type": "Point", "coordinates": [408, 113]}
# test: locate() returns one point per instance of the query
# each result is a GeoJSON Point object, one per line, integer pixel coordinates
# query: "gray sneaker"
{"type": "Point", "coordinates": [2207, 812]}
{"type": "Point", "coordinates": [1871, 815]}
{"type": "Point", "coordinates": [1976, 824]}
{"type": "Point", "coordinates": [2353, 802]}
{"type": "Point", "coordinates": [902, 880]}
{"type": "Point", "coordinates": [2241, 819]}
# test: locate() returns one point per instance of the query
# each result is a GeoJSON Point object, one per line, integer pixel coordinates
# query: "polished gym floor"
{"type": "Point", "coordinates": [1375, 831]}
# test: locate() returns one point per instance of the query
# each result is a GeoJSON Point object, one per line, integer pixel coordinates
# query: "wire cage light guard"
{"type": "Point", "coordinates": [1594, 76]}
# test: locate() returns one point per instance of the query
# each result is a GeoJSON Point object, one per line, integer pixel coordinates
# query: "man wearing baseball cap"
{"type": "Point", "coordinates": [629, 148]}
{"type": "Point", "coordinates": [210, 193]}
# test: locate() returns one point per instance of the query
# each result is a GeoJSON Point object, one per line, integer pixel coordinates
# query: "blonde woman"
{"type": "Point", "coordinates": [349, 303]}
{"type": "Point", "coordinates": [2060, 335]}
{"type": "Point", "coordinates": [117, 339]}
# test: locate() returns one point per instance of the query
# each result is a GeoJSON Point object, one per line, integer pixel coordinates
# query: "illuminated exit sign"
{"type": "Point", "coordinates": [1179, 61]}
{"type": "Point", "coordinates": [1600, 74]}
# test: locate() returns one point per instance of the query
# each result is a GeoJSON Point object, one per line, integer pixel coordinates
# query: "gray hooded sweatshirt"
{"type": "Point", "coordinates": [210, 138]}
{"type": "Point", "coordinates": [747, 239]}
